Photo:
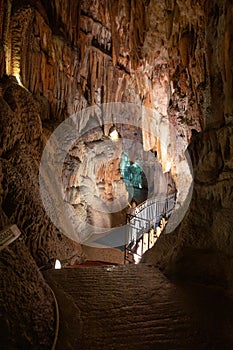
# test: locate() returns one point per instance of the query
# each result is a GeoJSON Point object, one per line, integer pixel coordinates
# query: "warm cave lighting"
{"type": "Point", "coordinates": [113, 133]}
{"type": "Point", "coordinates": [57, 264]}
{"type": "Point", "coordinates": [137, 259]}
{"type": "Point", "coordinates": [168, 167]}
{"type": "Point", "coordinates": [137, 256]}
{"type": "Point", "coordinates": [18, 80]}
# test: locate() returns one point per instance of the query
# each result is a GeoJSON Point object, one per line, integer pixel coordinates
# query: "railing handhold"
{"type": "Point", "coordinates": [147, 216]}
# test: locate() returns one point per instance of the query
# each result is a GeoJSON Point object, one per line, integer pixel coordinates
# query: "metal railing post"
{"type": "Point", "coordinates": [147, 215]}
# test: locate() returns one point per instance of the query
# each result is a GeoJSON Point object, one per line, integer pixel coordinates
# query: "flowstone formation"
{"type": "Point", "coordinates": [101, 175]}
{"type": "Point", "coordinates": [172, 57]}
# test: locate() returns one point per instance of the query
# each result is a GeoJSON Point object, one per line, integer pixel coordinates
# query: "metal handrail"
{"type": "Point", "coordinates": [147, 215]}
{"type": "Point", "coordinates": [151, 201]}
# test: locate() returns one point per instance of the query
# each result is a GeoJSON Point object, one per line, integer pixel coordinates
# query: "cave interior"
{"type": "Point", "coordinates": [104, 103]}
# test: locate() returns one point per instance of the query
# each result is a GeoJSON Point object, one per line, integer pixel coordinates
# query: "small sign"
{"type": "Point", "coordinates": [8, 235]}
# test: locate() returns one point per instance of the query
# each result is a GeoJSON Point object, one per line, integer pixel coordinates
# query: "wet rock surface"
{"type": "Point", "coordinates": [137, 307]}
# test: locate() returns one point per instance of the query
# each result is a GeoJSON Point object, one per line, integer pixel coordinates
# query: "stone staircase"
{"type": "Point", "coordinates": [135, 307]}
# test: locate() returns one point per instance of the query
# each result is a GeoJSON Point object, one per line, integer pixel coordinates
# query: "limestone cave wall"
{"type": "Point", "coordinates": [174, 57]}
{"type": "Point", "coordinates": [199, 246]}
{"type": "Point", "coordinates": [21, 145]}
{"type": "Point", "coordinates": [59, 57]}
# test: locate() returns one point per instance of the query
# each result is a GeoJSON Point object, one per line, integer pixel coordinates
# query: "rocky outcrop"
{"type": "Point", "coordinates": [21, 144]}
{"type": "Point", "coordinates": [74, 55]}
{"type": "Point", "coordinates": [201, 247]}
{"type": "Point", "coordinates": [93, 183]}
{"type": "Point", "coordinates": [28, 313]}
{"type": "Point", "coordinates": [172, 57]}
{"type": "Point", "coordinates": [207, 227]}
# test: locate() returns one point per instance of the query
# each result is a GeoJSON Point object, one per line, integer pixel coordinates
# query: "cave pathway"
{"type": "Point", "coordinates": [136, 307]}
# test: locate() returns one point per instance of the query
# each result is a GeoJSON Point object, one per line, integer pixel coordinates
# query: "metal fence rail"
{"type": "Point", "coordinates": [147, 215]}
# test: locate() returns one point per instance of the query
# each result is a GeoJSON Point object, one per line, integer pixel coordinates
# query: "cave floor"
{"type": "Point", "coordinates": [137, 307]}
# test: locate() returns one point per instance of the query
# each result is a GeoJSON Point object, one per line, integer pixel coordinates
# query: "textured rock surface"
{"type": "Point", "coordinates": [21, 144]}
{"type": "Point", "coordinates": [206, 232]}
{"type": "Point", "coordinates": [92, 177]}
{"type": "Point", "coordinates": [27, 315]}
{"type": "Point", "coordinates": [136, 307]}
{"type": "Point", "coordinates": [110, 255]}
{"type": "Point", "coordinates": [174, 57]}
{"type": "Point", "coordinates": [205, 57]}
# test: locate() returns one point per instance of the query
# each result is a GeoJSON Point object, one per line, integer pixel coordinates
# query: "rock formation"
{"type": "Point", "coordinates": [171, 57]}
{"type": "Point", "coordinates": [207, 227]}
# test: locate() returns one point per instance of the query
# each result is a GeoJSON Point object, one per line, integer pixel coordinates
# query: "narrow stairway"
{"type": "Point", "coordinates": [135, 307]}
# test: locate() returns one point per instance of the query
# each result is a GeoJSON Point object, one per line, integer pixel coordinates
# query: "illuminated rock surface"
{"type": "Point", "coordinates": [173, 57]}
